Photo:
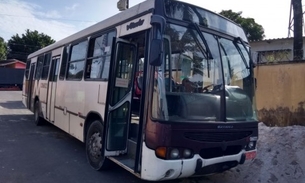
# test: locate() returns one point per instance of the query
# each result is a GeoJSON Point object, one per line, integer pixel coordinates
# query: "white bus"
{"type": "Point", "coordinates": [165, 89]}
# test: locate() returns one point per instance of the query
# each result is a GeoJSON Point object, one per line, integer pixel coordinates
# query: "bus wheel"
{"type": "Point", "coordinates": [94, 147]}
{"type": "Point", "coordinates": [38, 120]}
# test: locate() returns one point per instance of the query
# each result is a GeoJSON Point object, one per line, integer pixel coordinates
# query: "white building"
{"type": "Point", "coordinates": [273, 50]}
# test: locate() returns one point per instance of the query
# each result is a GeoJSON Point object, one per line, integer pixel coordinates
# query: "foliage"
{"type": "Point", "coordinates": [3, 49]}
{"type": "Point", "coordinates": [253, 30]}
{"type": "Point", "coordinates": [21, 46]}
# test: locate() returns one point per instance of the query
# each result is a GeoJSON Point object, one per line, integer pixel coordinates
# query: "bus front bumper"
{"type": "Point", "coordinates": [156, 169]}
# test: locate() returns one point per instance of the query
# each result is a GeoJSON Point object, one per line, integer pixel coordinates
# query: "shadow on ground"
{"type": "Point", "coordinates": [12, 105]}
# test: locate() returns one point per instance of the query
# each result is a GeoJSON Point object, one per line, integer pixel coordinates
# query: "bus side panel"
{"type": "Point", "coordinates": [74, 100]}
{"type": "Point", "coordinates": [24, 92]}
{"type": "Point", "coordinates": [61, 114]}
{"type": "Point", "coordinates": [76, 126]}
{"type": "Point", "coordinates": [43, 92]}
{"type": "Point", "coordinates": [95, 99]}
{"type": "Point", "coordinates": [74, 103]}
{"type": "Point", "coordinates": [86, 96]}
{"type": "Point", "coordinates": [75, 96]}
{"type": "Point", "coordinates": [62, 120]}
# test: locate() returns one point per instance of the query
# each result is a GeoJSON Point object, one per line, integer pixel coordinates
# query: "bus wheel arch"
{"type": "Point", "coordinates": [95, 147]}
{"type": "Point", "coordinates": [90, 118]}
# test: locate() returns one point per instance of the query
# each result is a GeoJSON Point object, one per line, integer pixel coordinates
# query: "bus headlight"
{"type": "Point", "coordinates": [174, 154]}
{"type": "Point", "coordinates": [187, 153]}
{"type": "Point", "coordinates": [170, 153]}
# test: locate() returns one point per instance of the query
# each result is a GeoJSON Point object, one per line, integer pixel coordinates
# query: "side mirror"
{"type": "Point", "coordinates": [156, 52]}
{"type": "Point", "coordinates": [156, 47]}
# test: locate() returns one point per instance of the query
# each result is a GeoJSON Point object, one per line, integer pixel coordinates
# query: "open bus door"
{"type": "Point", "coordinates": [52, 88]}
{"type": "Point", "coordinates": [30, 86]}
{"type": "Point", "coordinates": [119, 97]}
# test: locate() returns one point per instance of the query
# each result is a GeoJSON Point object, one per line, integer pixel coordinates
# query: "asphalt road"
{"type": "Point", "coordinates": [31, 154]}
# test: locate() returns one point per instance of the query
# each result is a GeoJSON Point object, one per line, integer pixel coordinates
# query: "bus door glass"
{"type": "Point", "coordinates": [118, 113]}
{"type": "Point", "coordinates": [52, 87]}
{"type": "Point", "coordinates": [30, 86]}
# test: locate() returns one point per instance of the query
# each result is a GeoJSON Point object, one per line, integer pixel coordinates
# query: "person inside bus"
{"type": "Point", "coordinates": [187, 86]}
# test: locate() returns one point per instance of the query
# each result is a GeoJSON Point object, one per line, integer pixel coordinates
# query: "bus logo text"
{"type": "Point", "coordinates": [225, 126]}
{"type": "Point", "coordinates": [133, 25]}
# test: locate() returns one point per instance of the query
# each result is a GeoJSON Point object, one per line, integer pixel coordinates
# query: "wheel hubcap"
{"type": "Point", "coordinates": [95, 146]}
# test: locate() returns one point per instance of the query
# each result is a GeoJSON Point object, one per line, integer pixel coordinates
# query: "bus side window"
{"type": "Point", "coordinates": [77, 60]}
{"type": "Point", "coordinates": [39, 67]}
{"type": "Point", "coordinates": [98, 62]}
{"type": "Point", "coordinates": [64, 61]}
{"type": "Point", "coordinates": [96, 57]}
{"type": "Point", "coordinates": [46, 66]}
{"type": "Point", "coordinates": [27, 69]}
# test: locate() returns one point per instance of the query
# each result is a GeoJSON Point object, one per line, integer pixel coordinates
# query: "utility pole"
{"type": "Point", "coordinates": [298, 30]}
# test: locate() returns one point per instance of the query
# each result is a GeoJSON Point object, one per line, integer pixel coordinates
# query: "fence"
{"type": "Point", "coordinates": [275, 56]}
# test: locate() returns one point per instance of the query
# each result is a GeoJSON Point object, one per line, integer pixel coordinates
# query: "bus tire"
{"type": "Point", "coordinates": [38, 120]}
{"type": "Point", "coordinates": [95, 148]}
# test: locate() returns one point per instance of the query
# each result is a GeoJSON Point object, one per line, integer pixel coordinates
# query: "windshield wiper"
{"type": "Point", "coordinates": [205, 54]}
{"type": "Point", "coordinates": [209, 53]}
{"type": "Point", "coordinates": [242, 42]}
{"type": "Point", "coordinates": [238, 39]}
{"type": "Point", "coordinates": [228, 59]}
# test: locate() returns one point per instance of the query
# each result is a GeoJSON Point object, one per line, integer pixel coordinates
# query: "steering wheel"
{"type": "Point", "coordinates": [206, 88]}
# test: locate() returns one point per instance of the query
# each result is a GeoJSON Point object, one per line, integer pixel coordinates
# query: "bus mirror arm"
{"type": "Point", "coordinates": [158, 20]}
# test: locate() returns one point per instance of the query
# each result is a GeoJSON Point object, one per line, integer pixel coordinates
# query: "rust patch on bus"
{"type": "Point", "coordinates": [283, 116]}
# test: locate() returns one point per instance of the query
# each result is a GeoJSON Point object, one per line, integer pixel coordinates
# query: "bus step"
{"type": "Point", "coordinates": [125, 160]}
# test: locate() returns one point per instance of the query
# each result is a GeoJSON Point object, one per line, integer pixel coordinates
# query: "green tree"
{"type": "Point", "coordinates": [253, 30]}
{"type": "Point", "coordinates": [19, 47]}
{"type": "Point", "coordinates": [3, 49]}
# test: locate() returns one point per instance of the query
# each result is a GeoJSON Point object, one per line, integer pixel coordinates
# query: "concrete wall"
{"type": "Point", "coordinates": [280, 93]}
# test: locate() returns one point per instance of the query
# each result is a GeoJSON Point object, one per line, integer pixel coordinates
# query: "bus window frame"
{"type": "Point", "coordinates": [40, 66]}
{"type": "Point", "coordinates": [78, 60]}
{"type": "Point", "coordinates": [93, 37]}
{"type": "Point", "coordinates": [49, 57]}
{"type": "Point", "coordinates": [64, 58]}
{"type": "Point", "coordinates": [27, 69]}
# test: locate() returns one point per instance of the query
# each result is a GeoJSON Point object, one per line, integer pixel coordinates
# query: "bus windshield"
{"type": "Point", "coordinates": [190, 13]}
{"type": "Point", "coordinates": [204, 77]}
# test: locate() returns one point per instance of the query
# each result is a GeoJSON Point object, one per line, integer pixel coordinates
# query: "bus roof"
{"type": "Point", "coordinates": [107, 23]}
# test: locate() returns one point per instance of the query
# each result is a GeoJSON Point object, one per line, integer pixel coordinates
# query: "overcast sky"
{"type": "Point", "coordinates": [61, 18]}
